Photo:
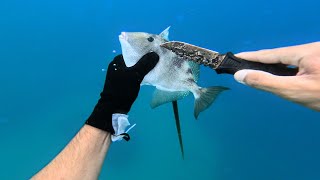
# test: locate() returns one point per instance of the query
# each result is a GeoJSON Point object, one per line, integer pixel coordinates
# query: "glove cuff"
{"type": "Point", "coordinates": [101, 117]}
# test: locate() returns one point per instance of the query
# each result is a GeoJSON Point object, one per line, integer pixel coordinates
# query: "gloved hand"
{"type": "Point", "coordinates": [120, 90]}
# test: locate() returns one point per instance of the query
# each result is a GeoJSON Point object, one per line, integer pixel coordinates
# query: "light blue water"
{"type": "Point", "coordinates": [51, 56]}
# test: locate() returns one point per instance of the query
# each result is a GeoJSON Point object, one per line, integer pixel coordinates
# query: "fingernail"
{"type": "Point", "coordinates": [240, 75]}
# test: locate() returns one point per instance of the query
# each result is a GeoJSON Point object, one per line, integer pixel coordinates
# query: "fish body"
{"type": "Point", "coordinates": [173, 76]}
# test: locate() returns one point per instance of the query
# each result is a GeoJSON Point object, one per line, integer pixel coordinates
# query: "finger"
{"type": "Point", "coordinates": [118, 61]}
{"type": "Point", "coordinates": [117, 64]}
{"type": "Point", "coordinates": [286, 55]}
{"type": "Point", "coordinates": [283, 86]}
{"type": "Point", "coordinates": [146, 63]}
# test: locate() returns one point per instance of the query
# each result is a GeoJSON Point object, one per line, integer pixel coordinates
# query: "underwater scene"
{"type": "Point", "coordinates": [53, 61]}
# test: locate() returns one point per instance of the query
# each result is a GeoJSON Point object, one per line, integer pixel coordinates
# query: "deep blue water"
{"type": "Point", "coordinates": [51, 56]}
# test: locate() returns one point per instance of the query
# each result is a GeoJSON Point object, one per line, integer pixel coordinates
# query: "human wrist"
{"type": "Point", "coordinates": [101, 116]}
{"type": "Point", "coordinates": [90, 132]}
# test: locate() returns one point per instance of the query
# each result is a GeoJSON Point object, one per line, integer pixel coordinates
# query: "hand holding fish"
{"type": "Point", "coordinates": [120, 90]}
{"type": "Point", "coordinates": [123, 83]}
{"type": "Point", "coordinates": [304, 88]}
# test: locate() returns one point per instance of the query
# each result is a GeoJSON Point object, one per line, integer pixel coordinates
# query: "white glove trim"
{"type": "Point", "coordinates": [120, 122]}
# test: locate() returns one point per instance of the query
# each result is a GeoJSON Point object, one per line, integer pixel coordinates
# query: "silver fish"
{"type": "Point", "coordinates": [173, 76]}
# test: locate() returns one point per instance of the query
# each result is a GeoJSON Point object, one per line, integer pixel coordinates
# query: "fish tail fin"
{"type": "Point", "coordinates": [206, 97]}
{"type": "Point", "coordinates": [176, 116]}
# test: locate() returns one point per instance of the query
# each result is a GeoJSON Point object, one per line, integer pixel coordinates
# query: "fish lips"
{"type": "Point", "coordinates": [123, 36]}
{"type": "Point", "coordinates": [127, 50]}
{"type": "Point", "coordinates": [124, 41]}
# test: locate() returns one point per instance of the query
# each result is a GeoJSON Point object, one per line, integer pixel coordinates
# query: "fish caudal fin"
{"type": "Point", "coordinates": [176, 116]}
{"type": "Point", "coordinates": [206, 98]}
{"type": "Point", "coordinates": [161, 97]}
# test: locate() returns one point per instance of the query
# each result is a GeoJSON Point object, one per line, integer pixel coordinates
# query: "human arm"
{"type": "Point", "coordinates": [304, 88]}
{"type": "Point", "coordinates": [83, 157]}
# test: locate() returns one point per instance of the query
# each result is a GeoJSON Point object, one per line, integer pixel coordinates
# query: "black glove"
{"type": "Point", "coordinates": [120, 90]}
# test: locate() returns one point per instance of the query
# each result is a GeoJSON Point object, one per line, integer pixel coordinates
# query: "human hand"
{"type": "Point", "coordinates": [122, 83]}
{"type": "Point", "coordinates": [120, 90]}
{"type": "Point", "coordinates": [304, 88]}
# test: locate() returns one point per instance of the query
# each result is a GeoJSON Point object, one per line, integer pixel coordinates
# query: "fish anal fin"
{"type": "Point", "coordinates": [161, 97]}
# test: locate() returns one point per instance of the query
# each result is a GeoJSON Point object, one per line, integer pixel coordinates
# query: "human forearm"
{"type": "Point", "coordinates": [82, 158]}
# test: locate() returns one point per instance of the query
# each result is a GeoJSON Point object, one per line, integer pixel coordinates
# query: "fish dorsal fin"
{"type": "Point", "coordinates": [161, 97]}
{"type": "Point", "coordinates": [165, 34]}
{"type": "Point", "coordinates": [195, 68]}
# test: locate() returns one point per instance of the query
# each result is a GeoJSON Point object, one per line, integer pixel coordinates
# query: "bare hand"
{"type": "Point", "coordinates": [304, 88]}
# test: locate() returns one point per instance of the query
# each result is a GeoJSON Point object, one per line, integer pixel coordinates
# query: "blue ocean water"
{"type": "Point", "coordinates": [51, 56]}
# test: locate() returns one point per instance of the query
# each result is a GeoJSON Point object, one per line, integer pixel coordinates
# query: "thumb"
{"type": "Point", "coordinates": [280, 85]}
{"type": "Point", "coordinates": [146, 63]}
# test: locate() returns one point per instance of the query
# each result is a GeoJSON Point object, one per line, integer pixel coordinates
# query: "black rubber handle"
{"type": "Point", "coordinates": [232, 64]}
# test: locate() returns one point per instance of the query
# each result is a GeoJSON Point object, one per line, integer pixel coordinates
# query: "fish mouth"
{"type": "Point", "coordinates": [123, 36]}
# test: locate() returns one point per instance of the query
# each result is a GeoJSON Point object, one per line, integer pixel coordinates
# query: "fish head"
{"type": "Point", "coordinates": [136, 44]}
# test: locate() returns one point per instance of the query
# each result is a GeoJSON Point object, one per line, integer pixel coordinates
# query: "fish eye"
{"type": "Point", "coordinates": [150, 39]}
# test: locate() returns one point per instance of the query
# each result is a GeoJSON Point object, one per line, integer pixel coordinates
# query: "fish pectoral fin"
{"type": "Point", "coordinates": [161, 97]}
{"type": "Point", "coordinates": [195, 68]}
